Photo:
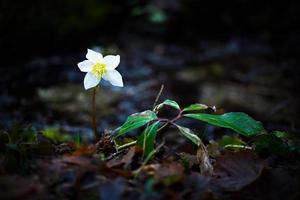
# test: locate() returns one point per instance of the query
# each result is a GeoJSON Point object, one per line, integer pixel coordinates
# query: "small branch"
{"type": "Point", "coordinates": [158, 96]}
{"type": "Point", "coordinates": [169, 121]}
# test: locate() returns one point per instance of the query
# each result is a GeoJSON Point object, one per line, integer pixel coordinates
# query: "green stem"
{"type": "Point", "coordinates": [170, 121]}
{"type": "Point", "coordinates": [94, 119]}
{"type": "Point", "coordinates": [126, 145]}
{"type": "Point", "coordinates": [163, 126]}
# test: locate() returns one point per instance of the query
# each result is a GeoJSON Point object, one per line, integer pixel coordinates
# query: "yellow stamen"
{"type": "Point", "coordinates": [99, 69]}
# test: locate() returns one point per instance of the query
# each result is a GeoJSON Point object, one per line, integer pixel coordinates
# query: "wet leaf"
{"type": "Point", "coordinates": [168, 102]}
{"type": "Point", "coordinates": [136, 120]}
{"type": "Point", "coordinates": [235, 170]}
{"type": "Point", "coordinates": [195, 107]}
{"type": "Point", "coordinates": [237, 121]}
{"type": "Point", "coordinates": [147, 138]}
{"type": "Point", "coordinates": [189, 134]}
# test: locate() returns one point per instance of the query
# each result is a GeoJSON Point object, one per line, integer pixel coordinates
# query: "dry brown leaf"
{"type": "Point", "coordinates": [167, 172]}
{"type": "Point", "coordinates": [125, 160]}
{"type": "Point", "coordinates": [15, 187]}
{"type": "Point", "coordinates": [203, 160]}
{"type": "Point", "coordinates": [235, 170]}
{"type": "Point", "coordinates": [85, 151]}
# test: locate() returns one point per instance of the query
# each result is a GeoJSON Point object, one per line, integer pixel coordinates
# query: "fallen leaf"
{"type": "Point", "coordinates": [235, 170]}
{"type": "Point", "coordinates": [15, 187]}
{"type": "Point", "coordinates": [203, 160]}
{"type": "Point", "coordinates": [64, 148]}
{"type": "Point", "coordinates": [125, 160]}
{"type": "Point", "coordinates": [167, 172]}
{"type": "Point", "coordinates": [85, 151]}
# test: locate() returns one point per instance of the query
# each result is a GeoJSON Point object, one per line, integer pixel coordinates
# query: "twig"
{"type": "Point", "coordinates": [158, 96]}
{"type": "Point", "coordinates": [170, 121]}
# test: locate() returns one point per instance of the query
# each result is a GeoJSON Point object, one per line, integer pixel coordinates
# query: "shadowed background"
{"type": "Point", "coordinates": [237, 55]}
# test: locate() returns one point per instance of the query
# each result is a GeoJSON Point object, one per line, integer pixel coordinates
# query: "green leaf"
{"type": "Point", "coordinates": [195, 107]}
{"type": "Point", "coordinates": [54, 135]}
{"type": "Point", "coordinates": [271, 144]}
{"type": "Point", "coordinates": [147, 138]}
{"type": "Point", "coordinates": [189, 134]}
{"type": "Point", "coordinates": [237, 121]}
{"type": "Point", "coordinates": [168, 102]}
{"type": "Point", "coordinates": [136, 120]}
{"type": "Point", "coordinates": [229, 140]}
{"type": "Point", "coordinates": [281, 134]}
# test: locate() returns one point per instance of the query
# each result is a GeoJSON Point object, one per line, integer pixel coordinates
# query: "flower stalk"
{"type": "Point", "coordinates": [97, 68]}
{"type": "Point", "coordinates": [94, 115]}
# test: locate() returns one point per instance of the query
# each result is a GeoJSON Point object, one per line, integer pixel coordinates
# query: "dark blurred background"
{"type": "Point", "coordinates": [238, 55]}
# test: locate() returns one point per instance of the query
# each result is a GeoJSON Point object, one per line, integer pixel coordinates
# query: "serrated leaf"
{"type": "Point", "coordinates": [237, 121]}
{"type": "Point", "coordinates": [168, 102]}
{"type": "Point", "coordinates": [195, 107]}
{"type": "Point", "coordinates": [189, 134]}
{"type": "Point", "coordinates": [147, 138]}
{"type": "Point", "coordinates": [136, 120]}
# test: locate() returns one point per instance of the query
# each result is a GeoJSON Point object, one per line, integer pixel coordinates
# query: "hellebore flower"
{"type": "Point", "coordinates": [98, 67]}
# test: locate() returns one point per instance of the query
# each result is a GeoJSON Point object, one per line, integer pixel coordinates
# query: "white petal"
{"type": "Point", "coordinates": [94, 56]}
{"type": "Point", "coordinates": [111, 61]}
{"type": "Point", "coordinates": [90, 81]}
{"type": "Point", "coordinates": [85, 66]}
{"type": "Point", "coordinates": [114, 77]}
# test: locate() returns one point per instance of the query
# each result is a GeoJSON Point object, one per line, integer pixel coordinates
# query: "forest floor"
{"type": "Point", "coordinates": [47, 149]}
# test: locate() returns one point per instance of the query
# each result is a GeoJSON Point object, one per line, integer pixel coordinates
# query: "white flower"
{"type": "Point", "coordinates": [98, 67]}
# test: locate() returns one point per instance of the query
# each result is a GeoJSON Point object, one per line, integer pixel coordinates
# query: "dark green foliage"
{"type": "Point", "coordinates": [147, 138]}
{"type": "Point", "coordinates": [189, 134]}
{"type": "Point", "coordinates": [237, 121]}
{"type": "Point", "coordinates": [168, 102]}
{"type": "Point", "coordinates": [270, 144]}
{"type": "Point", "coordinates": [136, 120]}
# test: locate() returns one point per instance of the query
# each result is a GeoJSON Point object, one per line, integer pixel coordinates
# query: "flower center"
{"type": "Point", "coordinates": [99, 69]}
